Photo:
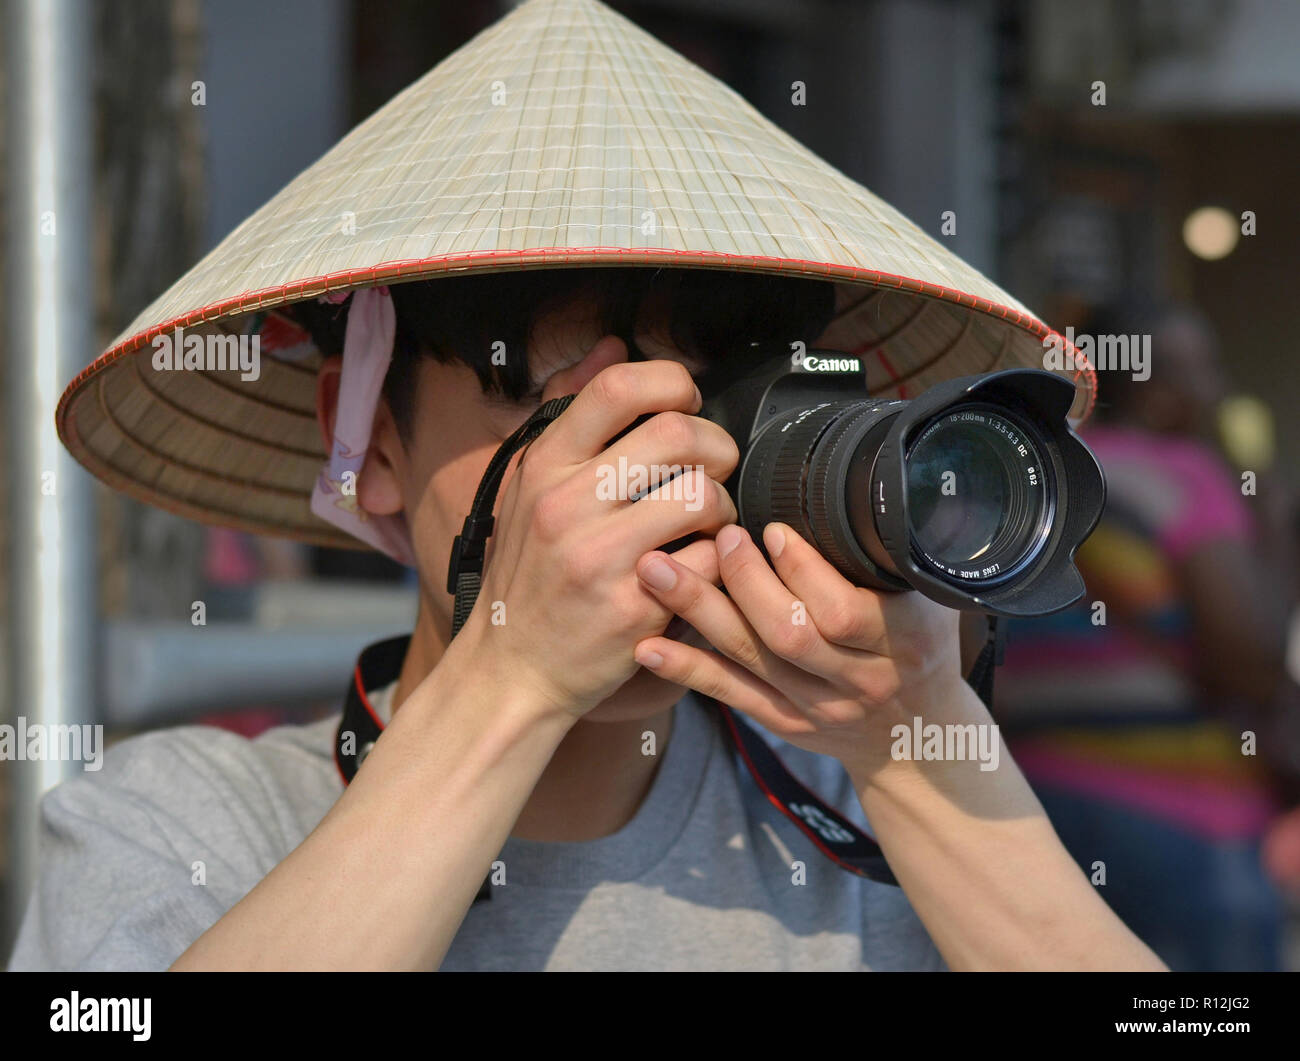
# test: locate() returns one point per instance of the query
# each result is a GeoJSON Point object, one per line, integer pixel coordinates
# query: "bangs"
{"type": "Point", "coordinates": [709, 315]}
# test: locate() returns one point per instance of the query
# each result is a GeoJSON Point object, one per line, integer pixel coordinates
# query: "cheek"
{"type": "Point", "coordinates": [444, 466]}
{"type": "Point", "coordinates": [440, 491]}
{"type": "Point", "coordinates": [447, 482]}
{"type": "Point", "coordinates": [443, 487]}
{"type": "Point", "coordinates": [453, 440]}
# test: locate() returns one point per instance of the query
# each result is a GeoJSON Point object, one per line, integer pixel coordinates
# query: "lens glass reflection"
{"type": "Point", "coordinates": [974, 503]}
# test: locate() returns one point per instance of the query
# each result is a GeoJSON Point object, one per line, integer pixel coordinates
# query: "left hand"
{"type": "Point", "coordinates": [821, 663]}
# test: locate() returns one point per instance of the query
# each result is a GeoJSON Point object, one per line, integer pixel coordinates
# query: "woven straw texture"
{"type": "Point", "coordinates": [563, 135]}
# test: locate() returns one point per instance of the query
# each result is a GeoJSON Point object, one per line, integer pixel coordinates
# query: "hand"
{"type": "Point", "coordinates": [821, 663]}
{"type": "Point", "coordinates": [973, 851]}
{"type": "Point", "coordinates": [563, 555]}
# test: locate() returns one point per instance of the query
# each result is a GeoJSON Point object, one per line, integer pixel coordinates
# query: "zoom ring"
{"type": "Point", "coordinates": [825, 494]}
{"type": "Point", "coordinates": [779, 458]}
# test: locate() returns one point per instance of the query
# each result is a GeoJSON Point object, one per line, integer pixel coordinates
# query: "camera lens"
{"type": "Point", "coordinates": [977, 507]}
{"type": "Point", "coordinates": [977, 493]}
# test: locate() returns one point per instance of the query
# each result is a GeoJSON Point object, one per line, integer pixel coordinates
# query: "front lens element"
{"type": "Point", "coordinates": [976, 501]}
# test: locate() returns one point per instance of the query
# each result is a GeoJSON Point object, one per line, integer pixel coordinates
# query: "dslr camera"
{"type": "Point", "coordinates": [977, 493]}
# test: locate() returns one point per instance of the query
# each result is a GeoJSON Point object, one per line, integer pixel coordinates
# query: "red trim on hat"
{"type": "Point", "coordinates": [556, 256]}
{"type": "Point", "coordinates": [320, 533]}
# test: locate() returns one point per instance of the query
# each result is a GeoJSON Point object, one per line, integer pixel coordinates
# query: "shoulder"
{"type": "Point", "coordinates": [1178, 488]}
{"type": "Point", "coordinates": [1182, 460]}
{"type": "Point", "coordinates": [202, 793]}
{"type": "Point", "coordinates": [168, 764]}
{"type": "Point", "coordinates": [142, 855]}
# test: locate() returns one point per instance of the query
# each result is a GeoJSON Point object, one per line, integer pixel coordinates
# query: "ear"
{"type": "Point", "coordinates": [379, 486]}
{"type": "Point", "coordinates": [378, 490]}
{"type": "Point", "coordinates": [327, 398]}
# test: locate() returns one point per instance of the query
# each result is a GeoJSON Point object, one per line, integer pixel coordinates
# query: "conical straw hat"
{"type": "Point", "coordinates": [548, 140]}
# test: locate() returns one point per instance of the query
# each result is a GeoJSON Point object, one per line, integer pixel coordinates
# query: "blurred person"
{"type": "Point", "coordinates": [1281, 849]}
{"type": "Point", "coordinates": [1127, 711]}
{"type": "Point", "coordinates": [523, 742]}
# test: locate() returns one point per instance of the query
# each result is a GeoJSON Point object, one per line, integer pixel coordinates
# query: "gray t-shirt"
{"type": "Point", "coordinates": [142, 857]}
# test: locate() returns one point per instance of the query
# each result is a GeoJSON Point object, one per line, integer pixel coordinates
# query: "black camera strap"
{"type": "Point", "coordinates": [465, 571]}
{"type": "Point", "coordinates": [986, 663]}
{"type": "Point", "coordinates": [380, 664]}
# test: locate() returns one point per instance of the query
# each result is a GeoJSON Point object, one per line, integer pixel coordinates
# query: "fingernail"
{"type": "Point", "coordinates": [774, 539]}
{"type": "Point", "coordinates": [699, 398]}
{"type": "Point", "coordinates": [658, 575]}
{"type": "Point", "coordinates": [649, 659]}
{"type": "Point", "coordinates": [728, 538]}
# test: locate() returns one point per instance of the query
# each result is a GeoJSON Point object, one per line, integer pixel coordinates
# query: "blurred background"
{"type": "Point", "coordinates": [1168, 209]}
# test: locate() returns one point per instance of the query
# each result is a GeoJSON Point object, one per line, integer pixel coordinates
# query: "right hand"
{"type": "Point", "coordinates": [563, 560]}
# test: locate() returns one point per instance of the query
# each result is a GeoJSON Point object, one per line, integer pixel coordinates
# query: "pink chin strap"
{"type": "Point", "coordinates": [367, 351]}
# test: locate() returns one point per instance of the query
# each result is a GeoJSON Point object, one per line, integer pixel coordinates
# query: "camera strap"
{"type": "Point", "coordinates": [465, 571]}
{"type": "Point", "coordinates": [830, 832]}
{"type": "Point", "coordinates": [379, 665]}
{"type": "Point", "coordinates": [989, 659]}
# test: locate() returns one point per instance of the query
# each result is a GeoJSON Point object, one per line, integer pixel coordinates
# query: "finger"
{"type": "Point", "coordinates": [710, 674]}
{"type": "Point", "coordinates": [701, 557]}
{"type": "Point", "coordinates": [664, 446]}
{"type": "Point", "coordinates": [607, 351]}
{"type": "Point", "coordinates": [844, 614]}
{"type": "Point", "coordinates": [692, 503]}
{"type": "Point", "coordinates": [780, 618]}
{"type": "Point", "coordinates": [613, 399]}
{"type": "Point", "coordinates": [720, 622]}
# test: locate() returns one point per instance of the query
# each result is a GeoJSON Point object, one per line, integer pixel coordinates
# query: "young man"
{"type": "Point", "coordinates": [558, 740]}
{"type": "Point", "coordinates": [524, 742]}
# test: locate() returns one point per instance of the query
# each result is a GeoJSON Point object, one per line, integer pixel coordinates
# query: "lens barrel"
{"type": "Point", "coordinates": [977, 493]}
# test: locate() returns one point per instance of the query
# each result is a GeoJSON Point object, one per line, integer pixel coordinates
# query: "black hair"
{"type": "Point", "coordinates": [711, 315]}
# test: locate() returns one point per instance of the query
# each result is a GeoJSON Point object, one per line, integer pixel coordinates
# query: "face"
{"type": "Point", "coordinates": [456, 431]}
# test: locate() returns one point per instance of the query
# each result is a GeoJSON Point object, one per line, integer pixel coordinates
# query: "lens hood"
{"type": "Point", "coordinates": [1035, 403]}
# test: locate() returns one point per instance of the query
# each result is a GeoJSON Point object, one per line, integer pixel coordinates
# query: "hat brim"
{"type": "Point", "coordinates": [245, 454]}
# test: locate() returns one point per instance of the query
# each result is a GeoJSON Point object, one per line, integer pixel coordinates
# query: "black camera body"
{"type": "Point", "coordinates": [977, 493]}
